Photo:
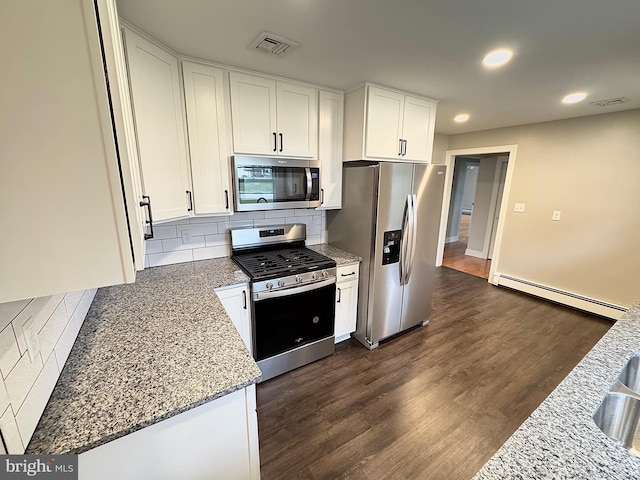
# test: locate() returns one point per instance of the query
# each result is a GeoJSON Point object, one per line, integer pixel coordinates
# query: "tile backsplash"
{"type": "Point", "coordinates": [200, 238]}
{"type": "Point", "coordinates": [36, 336]}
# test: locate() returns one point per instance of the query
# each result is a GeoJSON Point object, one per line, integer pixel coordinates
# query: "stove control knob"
{"type": "Point", "coordinates": [281, 283]}
{"type": "Point", "coordinates": [298, 279]}
{"type": "Point", "coordinates": [269, 285]}
{"type": "Point", "coordinates": [314, 276]}
{"type": "Point", "coordinates": [325, 274]}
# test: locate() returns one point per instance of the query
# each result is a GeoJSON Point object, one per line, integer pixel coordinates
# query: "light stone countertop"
{"type": "Point", "coordinates": [560, 439]}
{"type": "Point", "coordinates": [146, 352]}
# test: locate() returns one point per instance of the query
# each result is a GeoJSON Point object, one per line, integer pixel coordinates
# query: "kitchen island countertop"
{"type": "Point", "coordinates": [560, 439]}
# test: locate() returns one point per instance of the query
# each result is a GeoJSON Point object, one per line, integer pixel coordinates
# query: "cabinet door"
{"type": "Point", "coordinates": [346, 308]}
{"type": "Point", "coordinates": [207, 132]}
{"type": "Point", "coordinates": [61, 204]}
{"type": "Point", "coordinates": [331, 113]}
{"type": "Point", "coordinates": [297, 115]}
{"type": "Point", "coordinates": [384, 123]}
{"type": "Point", "coordinates": [236, 302]}
{"type": "Point", "coordinates": [418, 128]}
{"type": "Point", "coordinates": [157, 107]}
{"type": "Point", "coordinates": [253, 113]}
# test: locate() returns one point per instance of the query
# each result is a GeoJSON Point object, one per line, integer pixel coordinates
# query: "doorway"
{"type": "Point", "coordinates": [470, 230]}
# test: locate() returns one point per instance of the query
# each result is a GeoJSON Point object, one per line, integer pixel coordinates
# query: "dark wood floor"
{"type": "Point", "coordinates": [434, 403]}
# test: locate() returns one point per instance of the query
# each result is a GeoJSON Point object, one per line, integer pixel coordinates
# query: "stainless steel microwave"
{"type": "Point", "coordinates": [275, 183]}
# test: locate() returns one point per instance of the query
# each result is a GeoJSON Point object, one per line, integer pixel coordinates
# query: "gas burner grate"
{"type": "Point", "coordinates": [286, 261]}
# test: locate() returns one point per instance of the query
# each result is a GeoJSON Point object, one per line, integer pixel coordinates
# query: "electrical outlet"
{"type": "Point", "coordinates": [186, 236]}
{"type": "Point", "coordinates": [31, 338]}
{"type": "Point", "coordinates": [519, 207]}
{"type": "Point", "coordinates": [556, 215]}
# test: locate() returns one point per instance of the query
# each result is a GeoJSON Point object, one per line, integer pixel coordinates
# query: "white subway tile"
{"type": "Point", "coordinates": [199, 229]}
{"type": "Point", "coordinates": [40, 309]}
{"type": "Point", "coordinates": [10, 433]}
{"type": "Point", "coordinates": [314, 240]}
{"type": "Point", "coordinates": [9, 352]}
{"type": "Point", "coordinates": [268, 221]}
{"type": "Point", "coordinates": [9, 311]}
{"type": "Point", "coordinates": [146, 261]}
{"type": "Point", "coordinates": [168, 258]}
{"type": "Point", "coordinates": [279, 213]}
{"type": "Point", "coordinates": [66, 341]}
{"type": "Point", "coordinates": [306, 212]}
{"type": "Point", "coordinates": [21, 378]}
{"type": "Point", "coordinates": [211, 252]}
{"type": "Point", "coordinates": [84, 305]}
{"type": "Point", "coordinates": [71, 301]}
{"type": "Point", "coordinates": [240, 216]}
{"type": "Point", "coordinates": [52, 330]}
{"type": "Point", "coordinates": [217, 240]}
{"type": "Point", "coordinates": [153, 246]}
{"type": "Point", "coordinates": [209, 219]}
{"type": "Point", "coordinates": [171, 223]}
{"type": "Point", "coordinates": [29, 413]}
{"type": "Point", "coordinates": [4, 396]}
{"type": "Point", "coordinates": [224, 227]}
{"type": "Point", "coordinates": [164, 231]}
{"type": "Point", "coordinates": [173, 244]}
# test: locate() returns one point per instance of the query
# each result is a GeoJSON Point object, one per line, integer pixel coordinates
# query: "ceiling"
{"type": "Point", "coordinates": [430, 47]}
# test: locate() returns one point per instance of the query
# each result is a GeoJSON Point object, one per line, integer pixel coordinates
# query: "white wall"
{"type": "Point", "coordinates": [482, 205]}
{"type": "Point", "coordinates": [588, 168]}
{"type": "Point", "coordinates": [210, 237]}
{"type": "Point", "coordinates": [26, 384]}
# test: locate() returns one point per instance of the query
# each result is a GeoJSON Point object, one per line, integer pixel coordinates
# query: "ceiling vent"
{"type": "Point", "coordinates": [273, 44]}
{"type": "Point", "coordinates": [609, 102]}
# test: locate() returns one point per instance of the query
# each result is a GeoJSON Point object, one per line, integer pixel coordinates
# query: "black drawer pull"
{"type": "Point", "coordinates": [147, 203]}
{"type": "Point", "coordinates": [347, 274]}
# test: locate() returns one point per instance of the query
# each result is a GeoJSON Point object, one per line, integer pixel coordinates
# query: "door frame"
{"type": "Point", "coordinates": [450, 159]}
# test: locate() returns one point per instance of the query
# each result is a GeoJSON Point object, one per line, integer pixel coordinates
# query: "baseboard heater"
{"type": "Point", "coordinates": [581, 302]}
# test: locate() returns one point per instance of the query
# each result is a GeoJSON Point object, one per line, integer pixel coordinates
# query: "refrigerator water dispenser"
{"type": "Point", "coordinates": [391, 247]}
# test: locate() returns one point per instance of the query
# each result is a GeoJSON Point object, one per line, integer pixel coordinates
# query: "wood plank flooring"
{"type": "Point", "coordinates": [454, 253]}
{"type": "Point", "coordinates": [434, 403]}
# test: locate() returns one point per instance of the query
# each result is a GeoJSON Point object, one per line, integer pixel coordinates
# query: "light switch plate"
{"type": "Point", "coordinates": [186, 236]}
{"type": "Point", "coordinates": [519, 207]}
{"type": "Point", "coordinates": [31, 338]}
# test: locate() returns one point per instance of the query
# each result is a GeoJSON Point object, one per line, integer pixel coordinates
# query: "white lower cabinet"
{"type": "Point", "coordinates": [346, 300]}
{"type": "Point", "coordinates": [235, 300]}
{"type": "Point", "coordinates": [216, 440]}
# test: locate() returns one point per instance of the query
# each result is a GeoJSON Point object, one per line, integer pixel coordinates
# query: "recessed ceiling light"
{"type": "Point", "coordinates": [463, 117]}
{"type": "Point", "coordinates": [497, 58]}
{"type": "Point", "coordinates": [574, 97]}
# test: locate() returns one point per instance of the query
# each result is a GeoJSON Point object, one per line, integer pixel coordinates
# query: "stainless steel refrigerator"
{"type": "Point", "coordinates": [390, 217]}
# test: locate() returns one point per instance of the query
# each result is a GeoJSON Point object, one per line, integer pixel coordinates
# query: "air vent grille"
{"type": "Point", "coordinates": [273, 44]}
{"type": "Point", "coordinates": [609, 102]}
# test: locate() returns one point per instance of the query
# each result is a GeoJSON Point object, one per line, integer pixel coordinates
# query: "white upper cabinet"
{"type": "Point", "coordinates": [382, 123]}
{"type": "Point", "coordinates": [159, 121]}
{"type": "Point", "coordinates": [331, 114]}
{"type": "Point", "coordinates": [273, 117]}
{"type": "Point", "coordinates": [61, 195]}
{"type": "Point", "coordinates": [204, 93]}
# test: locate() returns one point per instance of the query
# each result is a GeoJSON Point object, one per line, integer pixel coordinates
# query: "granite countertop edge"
{"type": "Point", "coordinates": [560, 439]}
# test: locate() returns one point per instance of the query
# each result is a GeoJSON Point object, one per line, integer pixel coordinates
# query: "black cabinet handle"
{"type": "Point", "coordinates": [275, 141]}
{"type": "Point", "coordinates": [347, 274]}
{"type": "Point", "coordinates": [404, 149]}
{"type": "Point", "coordinates": [280, 142]}
{"type": "Point", "coordinates": [339, 295]}
{"type": "Point", "coordinates": [321, 196]}
{"type": "Point", "coordinates": [190, 195]}
{"type": "Point", "coordinates": [147, 203]}
{"type": "Point", "coordinates": [244, 299]}
{"type": "Point", "coordinates": [226, 199]}
{"type": "Point", "coordinates": [400, 146]}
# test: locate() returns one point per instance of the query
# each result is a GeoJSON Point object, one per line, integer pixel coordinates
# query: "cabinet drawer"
{"type": "Point", "coordinates": [348, 272]}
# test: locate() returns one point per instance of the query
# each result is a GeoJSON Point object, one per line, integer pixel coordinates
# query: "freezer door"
{"type": "Point", "coordinates": [385, 298]}
{"type": "Point", "coordinates": [428, 188]}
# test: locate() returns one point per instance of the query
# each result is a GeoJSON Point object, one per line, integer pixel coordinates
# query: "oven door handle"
{"type": "Point", "coordinates": [293, 290]}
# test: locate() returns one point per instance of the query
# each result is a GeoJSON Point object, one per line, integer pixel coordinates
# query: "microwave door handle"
{"type": "Point", "coordinates": [309, 184]}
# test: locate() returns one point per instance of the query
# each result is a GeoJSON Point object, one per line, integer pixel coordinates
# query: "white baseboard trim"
{"type": "Point", "coordinates": [475, 253]}
{"type": "Point", "coordinates": [451, 239]}
{"type": "Point", "coordinates": [570, 299]}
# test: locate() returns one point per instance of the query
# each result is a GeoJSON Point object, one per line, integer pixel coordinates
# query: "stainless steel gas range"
{"type": "Point", "coordinates": [292, 296]}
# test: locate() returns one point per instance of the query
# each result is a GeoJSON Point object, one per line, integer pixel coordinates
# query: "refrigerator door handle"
{"type": "Point", "coordinates": [414, 236]}
{"type": "Point", "coordinates": [405, 248]}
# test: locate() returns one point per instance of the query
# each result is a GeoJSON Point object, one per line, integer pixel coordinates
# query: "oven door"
{"type": "Point", "coordinates": [287, 319]}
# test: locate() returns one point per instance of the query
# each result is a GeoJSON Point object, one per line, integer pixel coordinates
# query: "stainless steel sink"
{"type": "Point", "coordinates": [618, 417]}
{"type": "Point", "coordinates": [630, 375]}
